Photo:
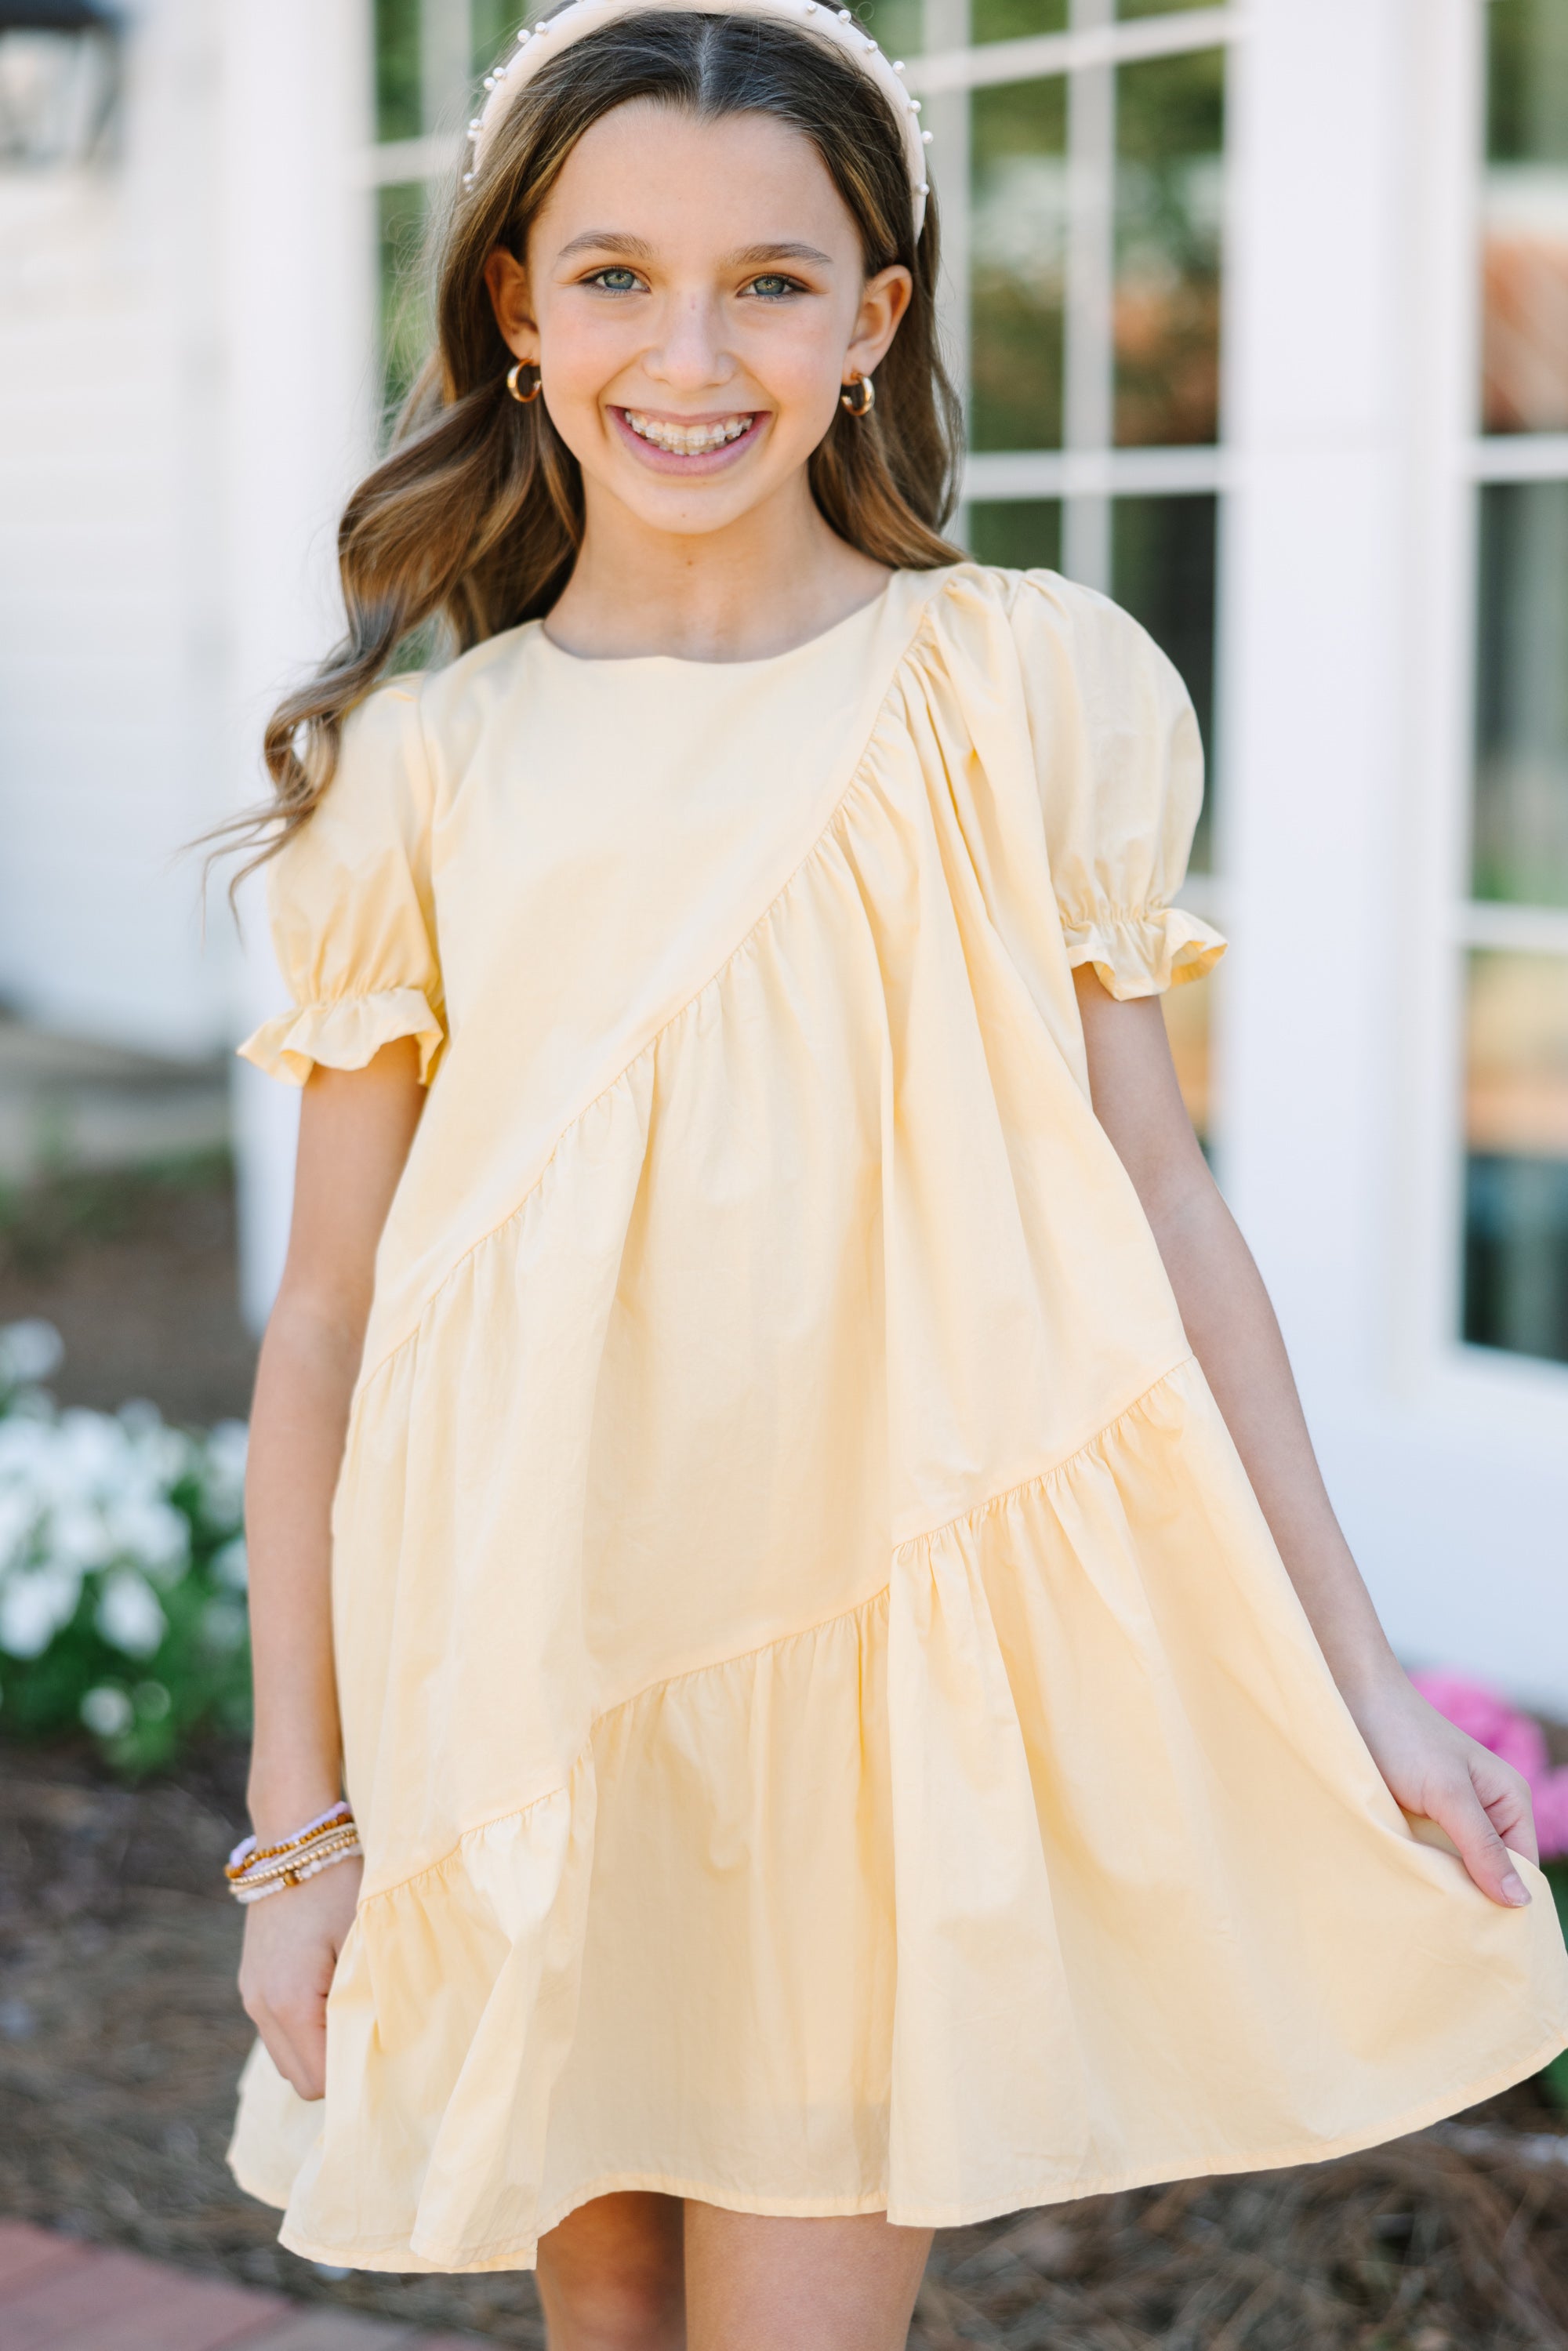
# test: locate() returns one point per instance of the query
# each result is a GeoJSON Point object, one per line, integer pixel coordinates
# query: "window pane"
{"type": "Point", "coordinates": [1011, 20]}
{"type": "Point", "coordinates": [898, 27]}
{"type": "Point", "coordinates": [1019, 250]}
{"type": "Point", "coordinates": [1170, 139]}
{"type": "Point", "coordinates": [1516, 1120]}
{"type": "Point", "coordinates": [1162, 566]}
{"type": "Point", "coordinates": [496, 25]}
{"type": "Point", "coordinates": [405, 326]}
{"type": "Point", "coordinates": [1521, 851]}
{"type": "Point", "coordinates": [399, 112]}
{"type": "Point", "coordinates": [1025, 534]}
{"type": "Point", "coordinates": [1524, 364]}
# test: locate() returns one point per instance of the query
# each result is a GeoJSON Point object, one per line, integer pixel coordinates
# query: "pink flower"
{"type": "Point", "coordinates": [1487, 1716]}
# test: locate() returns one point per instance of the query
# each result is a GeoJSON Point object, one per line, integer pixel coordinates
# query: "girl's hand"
{"type": "Point", "coordinates": [291, 1944]}
{"type": "Point", "coordinates": [1438, 1773]}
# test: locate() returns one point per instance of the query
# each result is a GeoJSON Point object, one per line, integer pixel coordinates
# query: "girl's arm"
{"type": "Point", "coordinates": [355, 1129]}
{"type": "Point", "coordinates": [1432, 1770]}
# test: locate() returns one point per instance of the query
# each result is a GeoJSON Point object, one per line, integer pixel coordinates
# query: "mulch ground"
{"type": "Point", "coordinates": [122, 2036]}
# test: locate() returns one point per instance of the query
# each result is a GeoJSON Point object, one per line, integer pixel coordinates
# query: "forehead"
{"type": "Point", "coordinates": [660, 174]}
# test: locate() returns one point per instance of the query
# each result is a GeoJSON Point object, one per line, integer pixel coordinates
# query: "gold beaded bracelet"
{"type": "Point", "coordinates": [254, 1870]}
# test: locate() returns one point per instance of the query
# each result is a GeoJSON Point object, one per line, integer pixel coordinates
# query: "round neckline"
{"type": "Point", "coordinates": [719, 668]}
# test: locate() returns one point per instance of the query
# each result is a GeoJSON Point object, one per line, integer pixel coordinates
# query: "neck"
{"type": "Point", "coordinates": [763, 584]}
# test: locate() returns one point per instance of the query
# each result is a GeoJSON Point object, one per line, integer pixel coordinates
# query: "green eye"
{"type": "Point", "coordinates": [615, 280]}
{"type": "Point", "coordinates": [774, 289]}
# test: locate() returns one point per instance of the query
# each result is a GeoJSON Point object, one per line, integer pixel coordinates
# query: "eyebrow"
{"type": "Point", "coordinates": [607, 240]}
{"type": "Point", "coordinates": [751, 256]}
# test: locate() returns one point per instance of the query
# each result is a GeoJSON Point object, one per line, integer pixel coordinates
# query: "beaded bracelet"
{"type": "Point", "coordinates": [254, 1870]}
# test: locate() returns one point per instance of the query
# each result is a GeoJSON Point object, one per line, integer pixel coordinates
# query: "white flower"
{"type": "Point", "coordinates": [89, 1456]}
{"type": "Point", "coordinates": [35, 1603]}
{"type": "Point", "coordinates": [223, 1470]}
{"type": "Point", "coordinates": [107, 1711]}
{"type": "Point", "coordinates": [152, 1532]}
{"type": "Point", "coordinates": [26, 1440]}
{"type": "Point", "coordinates": [29, 1351]}
{"type": "Point", "coordinates": [162, 1455]}
{"type": "Point", "coordinates": [75, 1535]}
{"type": "Point", "coordinates": [18, 1517]}
{"type": "Point", "coordinates": [231, 1565]}
{"type": "Point", "coordinates": [128, 1616]}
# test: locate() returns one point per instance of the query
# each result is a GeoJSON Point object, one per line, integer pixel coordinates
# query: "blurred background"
{"type": "Point", "coordinates": [1260, 313]}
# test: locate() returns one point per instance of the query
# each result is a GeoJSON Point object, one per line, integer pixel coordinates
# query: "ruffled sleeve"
{"type": "Point", "coordinates": [1120, 764]}
{"type": "Point", "coordinates": [351, 907]}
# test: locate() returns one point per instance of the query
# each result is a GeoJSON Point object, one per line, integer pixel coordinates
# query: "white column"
{"type": "Point", "coordinates": [299, 289]}
{"type": "Point", "coordinates": [1312, 669]}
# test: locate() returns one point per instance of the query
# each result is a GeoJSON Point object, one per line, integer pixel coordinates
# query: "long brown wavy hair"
{"type": "Point", "coordinates": [473, 520]}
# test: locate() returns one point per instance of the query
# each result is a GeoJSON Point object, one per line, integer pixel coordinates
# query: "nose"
{"type": "Point", "coordinates": [689, 356]}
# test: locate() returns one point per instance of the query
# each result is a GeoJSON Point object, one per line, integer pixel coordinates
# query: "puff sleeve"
{"type": "Point", "coordinates": [351, 907]}
{"type": "Point", "coordinates": [1120, 767]}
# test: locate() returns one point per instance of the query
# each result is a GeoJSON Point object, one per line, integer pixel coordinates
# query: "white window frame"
{"type": "Point", "coordinates": [1451, 463]}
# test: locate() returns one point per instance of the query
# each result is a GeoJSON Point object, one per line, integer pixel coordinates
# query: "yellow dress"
{"type": "Point", "coordinates": [829, 1727]}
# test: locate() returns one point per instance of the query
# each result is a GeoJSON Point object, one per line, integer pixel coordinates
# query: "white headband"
{"type": "Point", "coordinates": [542, 41]}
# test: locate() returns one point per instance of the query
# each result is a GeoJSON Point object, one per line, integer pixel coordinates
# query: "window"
{"type": "Point", "coordinates": [429, 56]}
{"type": "Point", "coordinates": [1079, 158]}
{"type": "Point", "coordinates": [1515, 924]}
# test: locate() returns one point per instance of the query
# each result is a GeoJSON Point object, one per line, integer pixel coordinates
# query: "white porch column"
{"type": "Point", "coordinates": [1313, 657]}
{"type": "Point", "coordinates": [299, 289]}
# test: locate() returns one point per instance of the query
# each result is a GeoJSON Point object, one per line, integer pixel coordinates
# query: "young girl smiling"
{"type": "Point", "coordinates": [775, 1484]}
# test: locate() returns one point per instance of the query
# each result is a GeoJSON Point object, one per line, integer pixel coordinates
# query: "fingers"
{"type": "Point", "coordinates": [1505, 1797]}
{"type": "Point", "coordinates": [295, 2041]}
{"type": "Point", "coordinates": [1457, 1807]}
{"type": "Point", "coordinates": [288, 2009]}
{"type": "Point", "coordinates": [291, 1946]}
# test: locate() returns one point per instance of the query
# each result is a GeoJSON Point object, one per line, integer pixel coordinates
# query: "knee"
{"type": "Point", "coordinates": [639, 2306]}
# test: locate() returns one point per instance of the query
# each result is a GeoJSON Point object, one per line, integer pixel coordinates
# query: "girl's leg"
{"type": "Point", "coordinates": [610, 2276]}
{"type": "Point", "coordinates": [762, 2285]}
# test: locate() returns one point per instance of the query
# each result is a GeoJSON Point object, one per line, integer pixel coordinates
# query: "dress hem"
{"type": "Point", "coordinates": [1041, 2193]}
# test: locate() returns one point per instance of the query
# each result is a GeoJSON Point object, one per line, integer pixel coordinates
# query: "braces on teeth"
{"type": "Point", "coordinates": [686, 440]}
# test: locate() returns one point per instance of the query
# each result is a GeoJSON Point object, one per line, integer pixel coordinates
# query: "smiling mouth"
{"type": "Point", "coordinates": [687, 440]}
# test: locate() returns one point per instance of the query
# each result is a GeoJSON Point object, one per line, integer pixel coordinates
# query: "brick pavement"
{"type": "Point", "coordinates": [57, 2293]}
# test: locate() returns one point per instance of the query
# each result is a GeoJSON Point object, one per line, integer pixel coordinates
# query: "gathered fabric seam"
{"type": "Point", "coordinates": [1044, 1476]}
{"type": "Point", "coordinates": [651, 1044]}
{"type": "Point", "coordinates": [325, 1003]}
{"type": "Point", "coordinates": [823, 1625]}
{"type": "Point", "coordinates": [650, 1689]}
{"type": "Point", "coordinates": [1127, 918]}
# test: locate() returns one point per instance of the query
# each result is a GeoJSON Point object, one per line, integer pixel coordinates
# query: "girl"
{"type": "Point", "coordinates": [857, 1712]}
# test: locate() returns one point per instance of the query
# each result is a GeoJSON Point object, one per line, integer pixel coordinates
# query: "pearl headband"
{"type": "Point", "coordinates": [542, 41]}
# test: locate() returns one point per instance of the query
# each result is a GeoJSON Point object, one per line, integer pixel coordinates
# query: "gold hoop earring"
{"type": "Point", "coordinates": [513, 373]}
{"type": "Point", "coordinates": [861, 407]}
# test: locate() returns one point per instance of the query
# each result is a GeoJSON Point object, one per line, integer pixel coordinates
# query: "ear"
{"type": "Point", "coordinates": [507, 282]}
{"type": "Point", "coordinates": [883, 305]}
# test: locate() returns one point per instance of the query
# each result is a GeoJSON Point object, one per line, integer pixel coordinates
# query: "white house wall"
{"type": "Point", "coordinates": [111, 630]}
